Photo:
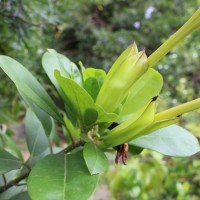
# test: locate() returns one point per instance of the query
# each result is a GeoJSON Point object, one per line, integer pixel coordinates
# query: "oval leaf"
{"type": "Point", "coordinates": [92, 86]}
{"type": "Point", "coordinates": [29, 86]}
{"type": "Point", "coordinates": [61, 177]}
{"type": "Point", "coordinates": [52, 60]}
{"type": "Point", "coordinates": [8, 162]}
{"type": "Point", "coordinates": [95, 159]}
{"type": "Point", "coordinates": [83, 104]}
{"type": "Point", "coordinates": [36, 138]}
{"type": "Point", "coordinates": [12, 146]}
{"type": "Point", "coordinates": [172, 141]}
{"type": "Point", "coordinates": [104, 117]}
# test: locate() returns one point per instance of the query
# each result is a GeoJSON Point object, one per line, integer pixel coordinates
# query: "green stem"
{"type": "Point", "coordinates": [178, 110]}
{"type": "Point", "coordinates": [190, 26]}
{"type": "Point", "coordinates": [50, 146]}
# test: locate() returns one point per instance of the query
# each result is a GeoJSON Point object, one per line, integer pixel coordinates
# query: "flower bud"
{"type": "Point", "coordinates": [127, 69]}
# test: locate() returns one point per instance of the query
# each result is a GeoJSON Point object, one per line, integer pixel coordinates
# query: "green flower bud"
{"type": "Point", "coordinates": [130, 129]}
{"type": "Point", "coordinates": [126, 70]}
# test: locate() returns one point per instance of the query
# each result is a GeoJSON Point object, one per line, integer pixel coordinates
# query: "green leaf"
{"type": "Point", "coordinates": [52, 60]}
{"type": "Point", "coordinates": [143, 90]}
{"type": "Point", "coordinates": [12, 192]}
{"type": "Point", "coordinates": [8, 143]}
{"type": "Point", "coordinates": [83, 104]}
{"type": "Point", "coordinates": [134, 150]}
{"type": "Point", "coordinates": [95, 159]}
{"type": "Point", "coordinates": [99, 74]}
{"type": "Point", "coordinates": [61, 177]}
{"type": "Point", "coordinates": [29, 86]}
{"type": "Point", "coordinates": [105, 117]}
{"type": "Point", "coordinates": [92, 86]}
{"type": "Point", "coordinates": [8, 162]}
{"type": "Point", "coordinates": [45, 118]}
{"type": "Point", "coordinates": [21, 196]}
{"type": "Point", "coordinates": [36, 138]}
{"type": "Point", "coordinates": [172, 141]}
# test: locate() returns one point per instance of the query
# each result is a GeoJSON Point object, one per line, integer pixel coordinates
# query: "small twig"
{"type": "Point", "coordinates": [20, 184]}
{"type": "Point", "coordinates": [50, 146]}
{"type": "Point", "coordinates": [27, 166]}
{"type": "Point", "coordinates": [72, 146]}
{"type": "Point", "coordinates": [14, 182]}
{"type": "Point", "coordinates": [4, 179]}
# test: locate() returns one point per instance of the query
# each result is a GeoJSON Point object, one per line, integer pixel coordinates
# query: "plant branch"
{"type": "Point", "coordinates": [72, 146]}
{"type": "Point", "coordinates": [14, 182]}
{"type": "Point", "coordinates": [4, 179]}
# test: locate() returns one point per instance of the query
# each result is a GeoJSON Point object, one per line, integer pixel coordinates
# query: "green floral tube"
{"type": "Point", "coordinates": [126, 70]}
{"type": "Point", "coordinates": [130, 129]}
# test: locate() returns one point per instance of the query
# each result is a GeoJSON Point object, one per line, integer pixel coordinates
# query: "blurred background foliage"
{"type": "Point", "coordinates": [96, 32]}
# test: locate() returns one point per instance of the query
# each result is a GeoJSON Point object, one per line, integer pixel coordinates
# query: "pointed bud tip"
{"type": "Point", "coordinates": [154, 98]}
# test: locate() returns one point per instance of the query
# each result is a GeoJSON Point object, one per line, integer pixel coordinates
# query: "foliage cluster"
{"type": "Point", "coordinates": [90, 35]}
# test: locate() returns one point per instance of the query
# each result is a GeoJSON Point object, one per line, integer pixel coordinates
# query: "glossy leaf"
{"type": "Point", "coordinates": [92, 86]}
{"type": "Point", "coordinates": [99, 74]}
{"type": "Point", "coordinates": [83, 104]}
{"type": "Point", "coordinates": [8, 162]}
{"type": "Point", "coordinates": [29, 86]}
{"type": "Point", "coordinates": [11, 145]}
{"type": "Point", "coordinates": [36, 138]}
{"type": "Point", "coordinates": [45, 118]}
{"type": "Point", "coordinates": [103, 116]}
{"type": "Point", "coordinates": [143, 90]}
{"type": "Point", "coordinates": [172, 141]}
{"type": "Point", "coordinates": [134, 150]}
{"type": "Point", "coordinates": [95, 159]}
{"type": "Point", "coordinates": [61, 177]}
{"type": "Point", "coordinates": [52, 60]}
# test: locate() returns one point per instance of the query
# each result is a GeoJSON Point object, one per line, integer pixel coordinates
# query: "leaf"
{"type": "Point", "coordinates": [21, 196]}
{"type": "Point", "coordinates": [134, 150]}
{"type": "Point", "coordinates": [95, 159]}
{"type": "Point", "coordinates": [103, 116]}
{"type": "Point", "coordinates": [12, 192]}
{"type": "Point", "coordinates": [11, 145]}
{"type": "Point", "coordinates": [99, 74]}
{"type": "Point", "coordinates": [83, 104]}
{"type": "Point", "coordinates": [52, 60]}
{"type": "Point", "coordinates": [36, 138]}
{"type": "Point", "coordinates": [172, 141]}
{"type": "Point", "coordinates": [92, 86]}
{"type": "Point", "coordinates": [8, 162]}
{"type": "Point", "coordinates": [45, 118]}
{"type": "Point", "coordinates": [143, 90]}
{"type": "Point", "coordinates": [61, 177]}
{"type": "Point", "coordinates": [29, 86]}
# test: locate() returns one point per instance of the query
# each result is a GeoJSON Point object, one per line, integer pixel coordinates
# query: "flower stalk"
{"type": "Point", "coordinates": [190, 26]}
{"type": "Point", "coordinates": [178, 110]}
